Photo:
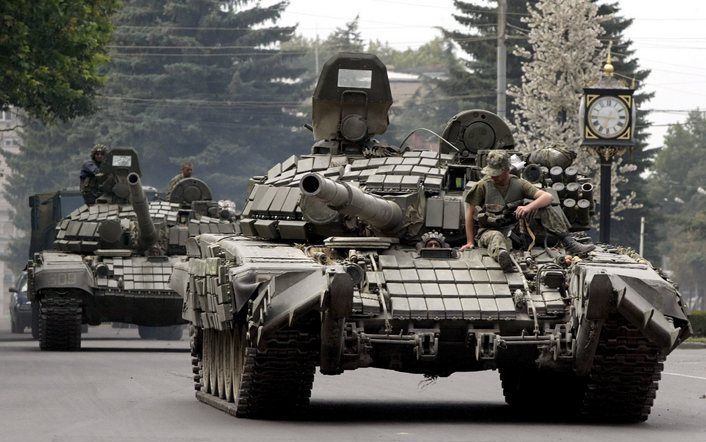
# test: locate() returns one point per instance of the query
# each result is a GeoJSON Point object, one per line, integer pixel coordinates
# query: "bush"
{"type": "Point", "coordinates": [698, 322]}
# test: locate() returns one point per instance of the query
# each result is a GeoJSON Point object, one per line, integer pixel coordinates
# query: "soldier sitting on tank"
{"type": "Point", "coordinates": [500, 196]}
{"type": "Point", "coordinates": [89, 184]}
{"type": "Point", "coordinates": [187, 170]}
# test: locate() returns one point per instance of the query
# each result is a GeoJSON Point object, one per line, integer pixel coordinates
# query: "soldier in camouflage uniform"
{"type": "Point", "coordinates": [89, 170]}
{"type": "Point", "coordinates": [187, 170]}
{"type": "Point", "coordinates": [500, 197]}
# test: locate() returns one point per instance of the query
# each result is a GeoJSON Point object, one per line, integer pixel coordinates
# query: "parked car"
{"type": "Point", "coordinates": [20, 305]}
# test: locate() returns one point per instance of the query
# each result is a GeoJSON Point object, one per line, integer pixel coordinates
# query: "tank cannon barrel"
{"type": "Point", "coordinates": [145, 226]}
{"type": "Point", "coordinates": [376, 211]}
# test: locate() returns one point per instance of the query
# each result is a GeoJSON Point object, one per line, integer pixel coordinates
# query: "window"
{"type": "Point", "coordinates": [355, 78]}
{"type": "Point", "coordinates": [6, 115]}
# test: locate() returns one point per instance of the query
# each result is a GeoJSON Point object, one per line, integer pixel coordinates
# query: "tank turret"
{"type": "Point", "coordinates": [145, 227]}
{"type": "Point", "coordinates": [379, 213]}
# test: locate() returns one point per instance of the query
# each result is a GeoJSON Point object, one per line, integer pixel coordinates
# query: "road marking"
{"type": "Point", "coordinates": [686, 376]}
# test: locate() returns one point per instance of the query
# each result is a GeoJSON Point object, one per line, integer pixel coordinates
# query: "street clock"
{"type": "Point", "coordinates": [607, 113]}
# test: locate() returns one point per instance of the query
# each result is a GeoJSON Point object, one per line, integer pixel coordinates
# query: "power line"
{"type": "Point", "coordinates": [232, 54]}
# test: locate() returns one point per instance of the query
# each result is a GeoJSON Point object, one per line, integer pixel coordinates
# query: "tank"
{"type": "Point", "coordinates": [349, 258]}
{"type": "Point", "coordinates": [112, 261]}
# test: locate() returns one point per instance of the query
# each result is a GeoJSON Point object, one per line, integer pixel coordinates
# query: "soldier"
{"type": "Point", "coordinates": [500, 196]}
{"type": "Point", "coordinates": [187, 170]}
{"type": "Point", "coordinates": [89, 170]}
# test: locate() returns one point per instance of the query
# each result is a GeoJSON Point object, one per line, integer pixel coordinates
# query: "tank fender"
{"type": "Point", "coordinates": [179, 280]}
{"type": "Point", "coordinates": [286, 296]}
{"type": "Point", "coordinates": [73, 276]}
{"type": "Point", "coordinates": [643, 314]}
{"type": "Point", "coordinates": [336, 307]}
{"type": "Point", "coordinates": [339, 299]}
{"type": "Point", "coordinates": [245, 287]}
{"type": "Point", "coordinates": [643, 300]}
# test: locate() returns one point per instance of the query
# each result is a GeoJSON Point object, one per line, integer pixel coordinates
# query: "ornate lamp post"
{"type": "Point", "coordinates": [607, 117]}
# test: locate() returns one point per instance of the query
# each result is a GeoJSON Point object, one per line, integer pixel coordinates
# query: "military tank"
{"type": "Point", "coordinates": [349, 258]}
{"type": "Point", "coordinates": [111, 261]}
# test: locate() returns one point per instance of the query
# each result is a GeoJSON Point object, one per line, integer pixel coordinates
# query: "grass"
{"type": "Point", "coordinates": [699, 339]}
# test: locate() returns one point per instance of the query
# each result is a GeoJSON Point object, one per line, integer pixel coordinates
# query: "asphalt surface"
{"type": "Point", "coordinates": [121, 388]}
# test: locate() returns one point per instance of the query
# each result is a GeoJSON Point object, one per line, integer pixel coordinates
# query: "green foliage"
{"type": "Point", "coordinates": [188, 80]}
{"type": "Point", "coordinates": [46, 165]}
{"type": "Point", "coordinates": [50, 55]}
{"type": "Point", "coordinates": [192, 80]}
{"type": "Point", "coordinates": [679, 172]}
{"type": "Point", "coordinates": [476, 73]}
{"type": "Point", "coordinates": [698, 322]}
{"type": "Point", "coordinates": [429, 55]}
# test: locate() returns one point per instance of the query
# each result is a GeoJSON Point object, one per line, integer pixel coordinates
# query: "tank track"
{"type": "Point", "coordinates": [621, 386]}
{"type": "Point", "coordinates": [624, 378]}
{"type": "Point", "coordinates": [276, 379]}
{"type": "Point", "coordinates": [60, 324]}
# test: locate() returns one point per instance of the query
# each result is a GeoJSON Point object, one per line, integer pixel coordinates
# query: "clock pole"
{"type": "Point", "coordinates": [604, 223]}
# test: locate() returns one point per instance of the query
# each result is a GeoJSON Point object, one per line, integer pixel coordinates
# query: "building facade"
{"type": "Point", "coordinates": [10, 141]}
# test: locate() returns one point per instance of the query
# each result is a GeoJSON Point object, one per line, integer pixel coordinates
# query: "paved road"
{"type": "Point", "coordinates": [120, 388]}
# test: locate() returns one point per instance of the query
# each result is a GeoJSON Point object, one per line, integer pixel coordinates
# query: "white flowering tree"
{"type": "Point", "coordinates": [566, 56]}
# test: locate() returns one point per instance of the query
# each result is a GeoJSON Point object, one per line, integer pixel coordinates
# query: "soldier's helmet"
{"type": "Point", "coordinates": [99, 148]}
{"type": "Point", "coordinates": [497, 162]}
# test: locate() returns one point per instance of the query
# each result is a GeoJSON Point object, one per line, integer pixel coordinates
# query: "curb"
{"type": "Point", "coordinates": [692, 346]}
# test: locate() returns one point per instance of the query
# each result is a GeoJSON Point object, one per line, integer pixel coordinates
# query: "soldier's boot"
{"type": "Point", "coordinates": [574, 247]}
{"type": "Point", "coordinates": [505, 261]}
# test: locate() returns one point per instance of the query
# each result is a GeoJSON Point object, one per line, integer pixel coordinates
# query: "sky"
{"type": "Point", "coordinates": [669, 39]}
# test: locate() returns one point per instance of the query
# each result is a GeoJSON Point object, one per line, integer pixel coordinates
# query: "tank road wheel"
{"type": "Point", "coordinates": [60, 323]}
{"type": "Point", "coordinates": [623, 381]}
{"type": "Point", "coordinates": [206, 361]}
{"type": "Point", "coordinates": [145, 332]}
{"type": "Point", "coordinates": [228, 365]}
{"type": "Point", "coordinates": [14, 327]}
{"type": "Point", "coordinates": [212, 355]}
{"type": "Point", "coordinates": [35, 320]}
{"type": "Point", "coordinates": [220, 361]}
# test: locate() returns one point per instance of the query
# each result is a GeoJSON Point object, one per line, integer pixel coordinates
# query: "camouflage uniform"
{"type": "Point", "coordinates": [499, 202]}
{"type": "Point", "coordinates": [87, 175]}
{"type": "Point", "coordinates": [173, 182]}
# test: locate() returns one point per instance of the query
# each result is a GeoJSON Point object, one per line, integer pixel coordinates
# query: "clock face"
{"type": "Point", "coordinates": [608, 117]}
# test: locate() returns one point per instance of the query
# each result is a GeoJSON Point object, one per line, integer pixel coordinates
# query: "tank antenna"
{"type": "Point", "coordinates": [431, 132]}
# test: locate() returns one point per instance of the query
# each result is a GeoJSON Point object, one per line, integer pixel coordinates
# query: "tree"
{"type": "Point", "coordinates": [432, 54]}
{"type": "Point", "coordinates": [202, 80]}
{"type": "Point", "coordinates": [566, 56]}
{"type": "Point", "coordinates": [195, 81]}
{"type": "Point", "coordinates": [42, 165]}
{"type": "Point", "coordinates": [476, 73]}
{"type": "Point", "coordinates": [347, 38]}
{"type": "Point", "coordinates": [677, 186]}
{"type": "Point", "coordinates": [51, 54]}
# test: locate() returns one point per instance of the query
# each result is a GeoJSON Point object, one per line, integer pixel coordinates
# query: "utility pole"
{"type": "Point", "coordinates": [316, 53]}
{"type": "Point", "coordinates": [642, 236]}
{"type": "Point", "coordinates": [502, 61]}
